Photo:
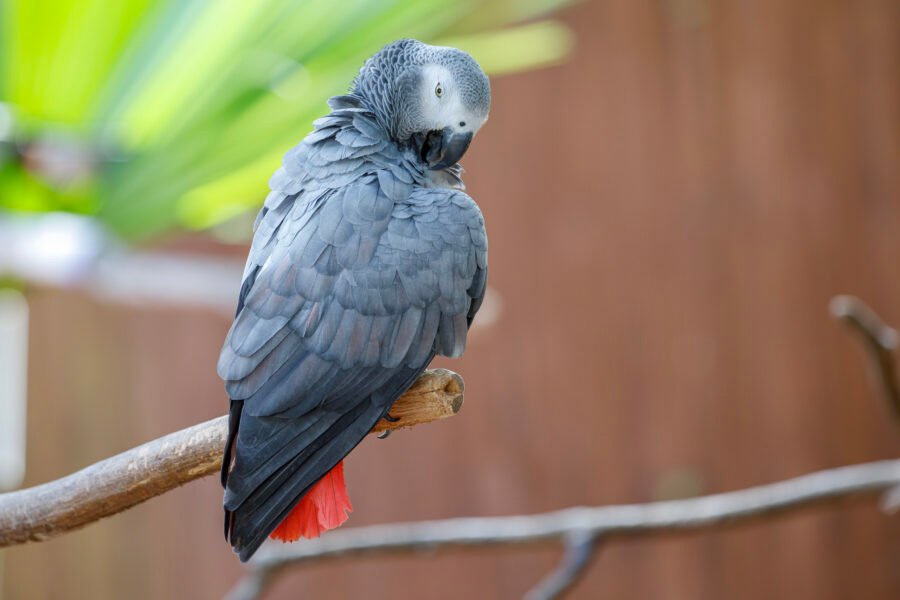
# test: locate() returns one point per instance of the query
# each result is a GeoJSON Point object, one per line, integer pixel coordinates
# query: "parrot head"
{"type": "Point", "coordinates": [432, 98]}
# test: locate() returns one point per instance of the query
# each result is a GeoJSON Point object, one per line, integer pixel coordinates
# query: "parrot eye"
{"type": "Point", "coordinates": [438, 90]}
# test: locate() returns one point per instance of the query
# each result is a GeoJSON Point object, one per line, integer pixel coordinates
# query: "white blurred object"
{"type": "Point", "coordinates": [13, 373]}
{"type": "Point", "coordinates": [161, 279]}
{"type": "Point", "coordinates": [52, 249]}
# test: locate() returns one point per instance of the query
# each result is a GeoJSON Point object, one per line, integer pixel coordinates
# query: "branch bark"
{"type": "Point", "coordinates": [881, 342]}
{"type": "Point", "coordinates": [118, 483]}
{"type": "Point", "coordinates": [597, 522]}
{"type": "Point", "coordinates": [579, 551]}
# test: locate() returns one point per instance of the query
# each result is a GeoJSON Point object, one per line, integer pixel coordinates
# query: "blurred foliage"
{"type": "Point", "coordinates": [155, 115]}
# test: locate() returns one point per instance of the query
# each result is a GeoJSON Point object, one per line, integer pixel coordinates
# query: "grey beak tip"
{"type": "Point", "coordinates": [453, 147]}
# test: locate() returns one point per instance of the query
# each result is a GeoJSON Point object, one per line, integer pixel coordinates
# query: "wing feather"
{"type": "Point", "coordinates": [355, 279]}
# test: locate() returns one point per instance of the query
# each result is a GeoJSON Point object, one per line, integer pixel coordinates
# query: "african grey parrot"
{"type": "Point", "coordinates": [368, 259]}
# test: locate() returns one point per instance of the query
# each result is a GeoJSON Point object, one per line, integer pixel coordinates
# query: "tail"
{"type": "Point", "coordinates": [279, 460]}
{"type": "Point", "coordinates": [324, 507]}
{"type": "Point", "coordinates": [269, 480]}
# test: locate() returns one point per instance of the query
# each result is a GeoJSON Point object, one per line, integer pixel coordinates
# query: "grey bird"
{"type": "Point", "coordinates": [368, 259]}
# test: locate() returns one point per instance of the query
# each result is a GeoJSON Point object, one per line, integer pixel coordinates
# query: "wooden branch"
{"type": "Point", "coordinates": [880, 340]}
{"type": "Point", "coordinates": [437, 394]}
{"type": "Point", "coordinates": [579, 551]}
{"type": "Point", "coordinates": [118, 483]}
{"type": "Point", "coordinates": [606, 521]}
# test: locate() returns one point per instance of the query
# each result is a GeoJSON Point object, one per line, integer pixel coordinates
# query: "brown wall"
{"type": "Point", "coordinates": [669, 214]}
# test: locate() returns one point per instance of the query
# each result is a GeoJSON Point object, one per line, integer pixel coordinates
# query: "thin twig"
{"type": "Point", "coordinates": [606, 521]}
{"type": "Point", "coordinates": [579, 550]}
{"type": "Point", "coordinates": [118, 483]}
{"type": "Point", "coordinates": [890, 502]}
{"type": "Point", "coordinates": [880, 340]}
{"type": "Point", "coordinates": [250, 586]}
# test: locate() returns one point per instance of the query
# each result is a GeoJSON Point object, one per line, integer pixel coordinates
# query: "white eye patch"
{"type": "Point", "coordinates": [441, 103]}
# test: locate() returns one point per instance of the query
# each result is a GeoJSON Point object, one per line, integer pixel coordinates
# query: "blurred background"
{"type": "Point", "coordinates": [673, 190]}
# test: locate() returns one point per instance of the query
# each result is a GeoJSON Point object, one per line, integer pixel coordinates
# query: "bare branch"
{"type": "Point", "coordinates": [250, 587]}
{"type": "Point", "coordinates": [890, 502]}
{"type": "Point", "coordinates": [580, 548]}
{"type": "Point", "coordinates": [881, 342]}
{"type": "Point", "coordinates": [606, 521]}
{"type": "Point", "coordinates": [118, 483]}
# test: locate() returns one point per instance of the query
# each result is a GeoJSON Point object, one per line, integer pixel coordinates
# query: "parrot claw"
{"type": "Point", "coordinates": [390, 418]}
{"type": "Point", "coordinates": [384, 434]}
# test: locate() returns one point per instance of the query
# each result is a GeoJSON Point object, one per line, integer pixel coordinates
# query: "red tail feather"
{"type": "Point", "coordinates": [324, 507]}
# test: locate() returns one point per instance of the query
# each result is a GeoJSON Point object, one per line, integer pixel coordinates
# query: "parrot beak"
{"type": "Point", "coordinates": [445, 148]}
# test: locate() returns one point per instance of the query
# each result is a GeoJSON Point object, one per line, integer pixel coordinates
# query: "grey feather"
{"type": "Point", "coordinates": [363, 266]}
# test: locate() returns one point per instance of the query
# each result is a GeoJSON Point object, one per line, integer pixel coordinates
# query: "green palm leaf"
{"type": "Point", "coordinates": [185, 107]}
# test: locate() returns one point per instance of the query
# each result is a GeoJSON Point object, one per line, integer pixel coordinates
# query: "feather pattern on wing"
{"type": "Point", "coordinates": [362, 268]}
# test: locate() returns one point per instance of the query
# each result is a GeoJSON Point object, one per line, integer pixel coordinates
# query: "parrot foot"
{"type": "Point", "coordinates": [390, 419]}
